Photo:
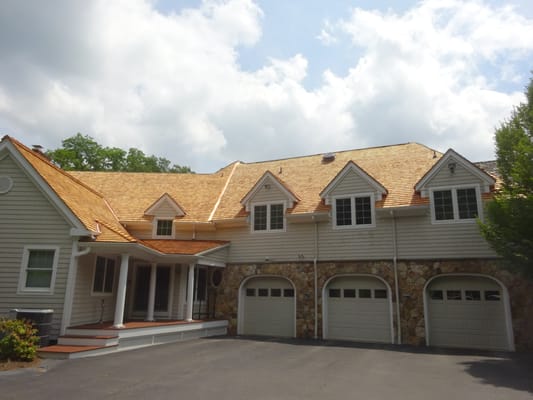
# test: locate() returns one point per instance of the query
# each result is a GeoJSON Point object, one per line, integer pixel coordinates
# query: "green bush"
{"type": "Point", "coordinates": [18, 340]}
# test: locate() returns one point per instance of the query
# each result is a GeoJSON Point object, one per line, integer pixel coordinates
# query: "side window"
{"type": "Point", "coordinates": [39, 264]}
{"type": "Point", "coordinates": [455, 204]}
{"type": "Point", "coordinates": [164, 227]}
{"type": "Point", "coordinates": [104, 275]}
{"type": "Point", "coordinates": [442, 201]}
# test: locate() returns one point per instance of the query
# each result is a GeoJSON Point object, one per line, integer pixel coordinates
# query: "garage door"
{"type": "Point", "coordinates": [466, 312]}
{"type": "Point", "coordinates": [358, 308]}
{"type": "Point", "coordinates": [268, 307]}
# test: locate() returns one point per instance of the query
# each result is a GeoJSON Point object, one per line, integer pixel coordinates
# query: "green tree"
{"type": "Point", "coordinates": [83, 153]}
{"type": "Point", "coordinates": [509, 217]}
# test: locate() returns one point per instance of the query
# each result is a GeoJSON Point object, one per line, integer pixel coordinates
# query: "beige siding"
{"type": "Point", "coordinates": [264, 195]}
{"type": "Point", "coordinates": [141, 231]}
{"type": "Point", "coordinates": [218, 256]}
{"type": "Point", "coordinates": [87, 308]}
{"type": "Point", "coordinates": [28, 218]}
{"type": "Point", "coordinates": [351, 184]}
{"type": "Point", "coordinates": [461, 176]}
{"type": "Point", "coordinates": [165, 210]}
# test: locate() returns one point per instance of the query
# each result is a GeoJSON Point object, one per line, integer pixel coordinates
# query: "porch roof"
{"type": "Point", "coordinates": [184, 247]}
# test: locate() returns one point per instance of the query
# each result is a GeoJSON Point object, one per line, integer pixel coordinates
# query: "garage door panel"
{"type": "Point", "coordinates": [268, 307]}
{"type": "Point", "coordinates": [475, 319]}
{"type": "Point", "coordinates": [358, 309]}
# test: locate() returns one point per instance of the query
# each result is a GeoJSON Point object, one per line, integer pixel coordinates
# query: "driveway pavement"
{"type": "Point", "coordinates": [239, 368]}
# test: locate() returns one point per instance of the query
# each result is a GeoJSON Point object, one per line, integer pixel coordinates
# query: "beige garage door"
{"type": "Point", "coordinates": [466, 312]}
{"type": "Point", "coordinates": [358, 308]}
{"type": "Point", "coordinates": [268, 307]}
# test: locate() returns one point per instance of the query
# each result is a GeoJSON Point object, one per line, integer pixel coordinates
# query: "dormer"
{"type": "Point", "coordinates": [454, 187]}
{"type": "Point", "coordinates": [352, 195]}
{"type": "Point", "coordinates": [267, 203]}
{"type": "Point", "coordinates": [164, 210]}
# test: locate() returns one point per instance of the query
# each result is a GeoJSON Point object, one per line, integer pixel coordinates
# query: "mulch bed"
{"type": "Point", "coordinates": [8, 365]}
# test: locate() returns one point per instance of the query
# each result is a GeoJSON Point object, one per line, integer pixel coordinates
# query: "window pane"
{"type": "Point", "coordinates": [99, 274]}
{"type": "Point", "coordinates": [164, 227]}
{"type": "Point", "coordinates": [201, 284]}
{"type": "Point", "coordinates": [275, 292]}
{"type": "Point", "coordinates": [350, 293]}
{"type": "Point", "coordinates": [41, 259]}
{"type": "Point", "coordinates": [492, 295]}
{"type": "Point", "coordinates": [288, 292]}
{"type": "Point", "coordinates": [276, 216]}
{"type": "Point", "coordinates": [365, 293]}
{"type": "Point", "coordinates": [443, 204]}
{"type": "Point", "coordinates": [436, 295]}
{"type": "Point", "coordinates": [38, 278]}
{"type": "Point", "coordinates": [467, 203]}
{"type": "Point", "coordinates": [260, 218]}
{"type": "Point", "coordinates": [250, 292]}
{"type": "Point", "coordinates": [363, 211]}
{"type": "Point", "coordinates": [343, 210]}
{"type": "Point", "coordinates": [334, 293]}
{"type": "Point", "coordinates": [453, 295]}
{"type": "Point", "coordinates": [262, 292]}
{"type": "Point", "coordinates": [380, 293]}
{"type": "Point", "coordinates": [109, 276]}
{"type": "Point", "coordinates": [472, 295]}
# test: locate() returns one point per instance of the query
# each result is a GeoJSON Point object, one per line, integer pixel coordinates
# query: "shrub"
{"type": "Point", "coordinates": [18, 340]}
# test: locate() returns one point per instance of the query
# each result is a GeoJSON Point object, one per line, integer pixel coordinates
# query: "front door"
{"type": "Point", "coordinates": [142, 290]}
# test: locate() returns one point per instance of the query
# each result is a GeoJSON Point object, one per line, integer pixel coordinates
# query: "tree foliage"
{"type": "Point", "coordinates": [83, 153]}
{"type": "Point", "coordinates": [509, 224]}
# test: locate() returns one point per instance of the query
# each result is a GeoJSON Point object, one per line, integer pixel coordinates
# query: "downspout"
{"type": "Point", "coordinates": [315, 269]}
{"type": "Point", "coordinates": [396, 285]}
{"type": "Point", "coordinates": [71, 283]}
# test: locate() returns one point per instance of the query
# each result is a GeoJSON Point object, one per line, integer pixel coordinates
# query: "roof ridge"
{"type": "Point", "coordinates": [44, 159]}
{"type": "Point", "coordinates": [336, 152]}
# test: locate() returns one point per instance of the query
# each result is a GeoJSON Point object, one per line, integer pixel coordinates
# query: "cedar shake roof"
{"type": "Point", "coordinates": [184, 247]}
{"type": "Point", "coordinates": [89, 206]}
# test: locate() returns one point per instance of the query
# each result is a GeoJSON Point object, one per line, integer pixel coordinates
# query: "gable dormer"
{"type": "Point", "coordinates": [164, 210]}
{"type": "Point", "coordinates": [352, 195]}
{"type": "Point", "coordinates": [454, 187]}
{"type": "Point", "coordinates": [267, 203]}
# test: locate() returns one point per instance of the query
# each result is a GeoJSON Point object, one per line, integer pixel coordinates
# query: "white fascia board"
{"type": "Point", "coordinates": [380, 190]}
{"type": "Point", "coordinates": [214, 249]}
{"type": "Point", "coordinates": [45, 188]}
{"type": "Point", "coordinates": [246, 201]}
{"type": "Point", "coordinates": [210, 263]}
{"type": "Point", "coordinates": [469, 166]}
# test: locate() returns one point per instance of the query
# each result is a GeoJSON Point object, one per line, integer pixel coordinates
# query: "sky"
{"type": "Point", "coordinates": [205, 83]}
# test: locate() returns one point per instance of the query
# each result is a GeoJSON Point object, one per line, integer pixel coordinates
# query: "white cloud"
{"type": "Point", "coordinates": [171, 85]}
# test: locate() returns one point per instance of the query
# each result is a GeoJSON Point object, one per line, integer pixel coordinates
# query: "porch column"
{"type": "Point", "coordinates": [121, 292]}
{"type": "Point", "coordinates": [190, 293]}
{"type": "Point", "coordinates": [151, 293]}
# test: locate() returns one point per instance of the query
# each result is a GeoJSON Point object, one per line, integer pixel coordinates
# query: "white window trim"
{"type": "Point", "coordinates": [268, 204]}
{"type": "Point", "coordinates": [456, 219]}
{"type": "Point", "coordinates": [154, 229]}
{"type": "Point", "coordinates": [352, 198]}
{"type": "Point", "coordinates": [22, 289]}
{"type": "Point", "coordinates": [104, 294]}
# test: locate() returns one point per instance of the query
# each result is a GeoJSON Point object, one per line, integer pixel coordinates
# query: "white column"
{"type": "Point", "coordinates": [121, 292]}
{"type": "Point", "coordinates": [190, 293]}
{"type": "Point", "coordinates": [151, 293]}
{"type": "Point", "coordinates": [182, 292]}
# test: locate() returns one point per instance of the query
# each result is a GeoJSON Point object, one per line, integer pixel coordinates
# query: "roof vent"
{"type": "Point", "coordinates": [37, 148]}
{"type": "Point", "coordinates": [328, 157]}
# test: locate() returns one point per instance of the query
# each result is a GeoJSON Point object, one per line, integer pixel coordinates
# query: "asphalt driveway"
{"type": "Point", "coordinates": [238, 368]}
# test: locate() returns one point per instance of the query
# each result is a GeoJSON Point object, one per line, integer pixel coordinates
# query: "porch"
{"type": "Point", "coordinates": [101, 338]}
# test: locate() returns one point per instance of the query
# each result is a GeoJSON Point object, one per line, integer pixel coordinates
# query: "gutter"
{"type": "Point", "coordinates": [315, 271]}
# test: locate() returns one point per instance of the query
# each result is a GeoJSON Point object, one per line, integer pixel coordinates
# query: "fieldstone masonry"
{"type": "Point", "coordinates": [412, 277]}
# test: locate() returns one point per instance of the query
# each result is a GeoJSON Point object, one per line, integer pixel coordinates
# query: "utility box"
{"type": "Point", "coordinates": [41, 320]}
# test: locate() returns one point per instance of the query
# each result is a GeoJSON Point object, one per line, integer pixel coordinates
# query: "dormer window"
{"type": "Point", "coordinates": [455, 204]}
{"type": "Point", "coordinates": [354, 211]}
{"type": "Point", "coordinates": [164, 227]}
{"type": "Point", "coordinates": [268, 217]}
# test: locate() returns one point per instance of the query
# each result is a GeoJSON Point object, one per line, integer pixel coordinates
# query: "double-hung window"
{"type": "Point", "coordinates": [163, 227]}
{"type": "Point", "coordinates": [104, 276]}
{"type": "Point", "coordinates": [39, 264]}
{"type": "Point", "coordinates": [268, 217]}
{"type": "Point", "coordinates": [354, 211]}
{"type": "Point", "coordinates": [455, 204]}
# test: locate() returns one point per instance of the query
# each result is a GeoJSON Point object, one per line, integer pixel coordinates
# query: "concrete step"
{"type": "Point", "coordinates": [88, 340]}
{"type": "Point", "coordinates": [64, 352]}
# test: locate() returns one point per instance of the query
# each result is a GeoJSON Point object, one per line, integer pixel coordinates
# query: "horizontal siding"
{"type": "Point", "coordinates": [351, 184]}
{"type": "Point", "coordinates": [461, 176]}
{"type": "Point", "coordinates": [86, 308]}
{"type": "Point", "coordinates": [264, 195]}
{"type": "Point", "coordinates": [218, 256]}
{"type": "Point", "coordinates": [28, 218]}
{"type": "Point", "coordinates": [165, 210]}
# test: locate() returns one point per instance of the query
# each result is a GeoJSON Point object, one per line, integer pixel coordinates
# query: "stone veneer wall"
{"type": "Point", "coordinates": [412, 277]}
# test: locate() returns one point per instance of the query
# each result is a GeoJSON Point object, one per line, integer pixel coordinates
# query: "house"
{"type": "Point", "coordinates": [370, 245]}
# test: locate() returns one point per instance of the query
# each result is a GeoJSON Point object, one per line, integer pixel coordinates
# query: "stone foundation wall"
{"type": "Point", "coordinates": [412, 277]}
